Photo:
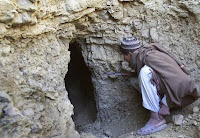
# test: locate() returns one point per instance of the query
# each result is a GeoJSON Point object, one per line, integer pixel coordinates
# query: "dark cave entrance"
{"type": "Point", "coordinates": [79, 85]}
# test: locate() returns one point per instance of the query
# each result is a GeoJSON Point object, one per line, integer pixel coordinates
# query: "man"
{"type": "Point", "coordinates": [163, 81]}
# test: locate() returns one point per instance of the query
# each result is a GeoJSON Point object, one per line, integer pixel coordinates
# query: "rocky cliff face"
{"type": "Point", "coordinates": [34, 41]}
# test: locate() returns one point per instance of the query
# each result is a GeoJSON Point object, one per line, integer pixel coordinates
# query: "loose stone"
{"type": "Point", "coordinates": [178, 119]}
{"type": "Point", "coordinates": [195, 109]}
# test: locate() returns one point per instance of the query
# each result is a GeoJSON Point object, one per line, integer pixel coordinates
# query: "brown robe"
{"type": "Point", "coordinates": [177, 83]}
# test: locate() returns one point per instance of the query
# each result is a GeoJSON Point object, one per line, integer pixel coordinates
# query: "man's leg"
{"type": "Point", "coordinates": [150, 97]}
{"type": "Point", "coordinates": [164, 109]}
{"type": "Point", "coordinates": [151, 101]}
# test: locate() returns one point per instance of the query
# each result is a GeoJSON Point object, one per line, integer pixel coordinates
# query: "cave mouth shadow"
{"type": "Point", "coordinates": [80, 89]}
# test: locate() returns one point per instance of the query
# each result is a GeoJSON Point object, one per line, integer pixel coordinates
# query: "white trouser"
{"type": "Point", "coordinates": [150, 96]}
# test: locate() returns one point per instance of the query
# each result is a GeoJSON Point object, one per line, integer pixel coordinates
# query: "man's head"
{"type": "Point", "coordinates": [128, 46]}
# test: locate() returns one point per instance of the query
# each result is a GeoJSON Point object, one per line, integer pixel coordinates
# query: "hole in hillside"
{"type": "Point", "coordinates": [79, 85]}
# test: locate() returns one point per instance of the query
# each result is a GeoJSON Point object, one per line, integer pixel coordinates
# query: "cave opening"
{"type": "Point", "coordinates": [80, 89]}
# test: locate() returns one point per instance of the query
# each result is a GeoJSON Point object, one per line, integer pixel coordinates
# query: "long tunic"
{"type": "Point", "coordinates": [177, 83]}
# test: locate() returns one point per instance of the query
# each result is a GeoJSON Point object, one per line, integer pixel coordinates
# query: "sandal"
{"type": "Point", "coordinates": [149, 128]}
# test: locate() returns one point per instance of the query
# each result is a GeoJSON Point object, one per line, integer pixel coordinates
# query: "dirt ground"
{"type": "Point", "coordinates": [126, 127]}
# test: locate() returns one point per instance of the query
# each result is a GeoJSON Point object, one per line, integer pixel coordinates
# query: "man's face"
{"type": "Point", "coordinates": [128, 57]}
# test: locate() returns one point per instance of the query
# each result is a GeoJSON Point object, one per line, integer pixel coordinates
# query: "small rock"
{"type": "Point", "coordinates": [108, 133]}
{"type": "Point", "coordinates": [26, 18]}
{"type": "Point", "coordinates": [195, 109]}
{"type": "Point", "coordinates": [4, 100]}
{"type": "Point", "coordinates": [52, 97]}
{"type": "Point", "coordinates": [154, 34]}
{"type": "Point", "coordinates": [181, 136]}
{"type": "Point", "coordinates": [194, 115]}
{"type": "Point", "coordinates": [37, 116]}
{"type": "Point", "coordinates": [112, 76]}
{"type": "Point", "coordinates": [11, 111]}
{"type": "Point", "coordinates": [26, 5]}
{"type": "Point", "coordinates": [184, 121]}
{"type": "Point", "coordinates": [137, 24]}
{"type": "Point", "coordinates": [56, 94]}
{"type": "Point", "coordinates": [17, 20]}
{"type": "Point", "coordinates": [125, 66]}
{"type": "Point", "coordinates": [189, 116]}
{"type": "Point", "coordinates": [2, 29]}
{"type": "Point", "coordinates": [37, 128]}
{"type": "Point", "coordinates": [4, 97]}
{"type": "Point", "coordinates": [39, 107]}
{"type": "Point", "coordinates": [194, 123]}
{"type": "Point", "coordinates": [178, 119]}
{"type": "Point", "coordinates": [28, 112]}
{"type": "Point", "coordinates": [145, 33]}
{"type": "Point", "coordinates": [187, 119]}
{"type": "Point", "coordinates": [5, 50]}
{"type": "Point", "coordinates": [116, 12]}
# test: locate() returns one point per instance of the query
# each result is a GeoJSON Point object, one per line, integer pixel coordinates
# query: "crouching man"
{"type": "Point", "coordinates": [163, 81]}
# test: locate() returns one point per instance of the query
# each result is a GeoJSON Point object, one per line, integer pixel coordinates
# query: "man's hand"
{"type": "Point", "coordinates": [184, 69]}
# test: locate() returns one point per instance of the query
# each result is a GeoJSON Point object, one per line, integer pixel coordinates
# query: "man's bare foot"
{"type": "Point", "coordinates": [155, 119]}
{"type": "Point", "coordinates": [164, 110]}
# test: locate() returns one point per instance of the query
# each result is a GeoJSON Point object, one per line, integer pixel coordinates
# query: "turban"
{"type": "Point", "coordinates": [130, 43]}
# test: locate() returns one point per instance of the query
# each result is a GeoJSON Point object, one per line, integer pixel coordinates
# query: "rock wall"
{"type": "Point", "coordinates": [34, 56]}
{"type": "Point", "coordinates": [173, 24]}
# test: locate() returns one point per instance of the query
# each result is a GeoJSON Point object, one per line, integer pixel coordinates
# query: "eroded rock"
{"type": "Point", "coordinates": [178, 119]}
{"type": "Point", "coordinates": [195, 109]}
